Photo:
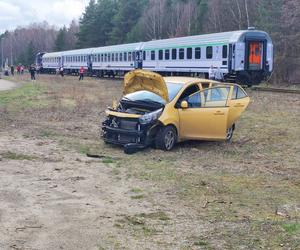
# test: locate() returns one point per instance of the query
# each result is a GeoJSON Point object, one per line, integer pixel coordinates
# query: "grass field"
{"type": "Point", "coordinates": [202, 195]}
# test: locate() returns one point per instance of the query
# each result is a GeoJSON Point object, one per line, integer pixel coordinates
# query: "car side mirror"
{"type": "Point", "coordinates": [184, 105]}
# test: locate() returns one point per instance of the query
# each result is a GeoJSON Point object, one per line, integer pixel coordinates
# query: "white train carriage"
{"type": "Point", "coordinates": [245, 56]}
{"type": "Point", "coordinates": [116, 59]}
{"type": "Point", "coordinates": [73, 60]}
{"type": "Point", "coordinates": [50, 62]}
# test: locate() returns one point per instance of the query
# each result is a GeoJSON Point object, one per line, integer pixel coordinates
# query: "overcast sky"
{"type": "Point", "coordinates": [14, 13]}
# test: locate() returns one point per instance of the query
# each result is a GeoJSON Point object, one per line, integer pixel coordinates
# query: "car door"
{"type": "Point", "coordinates": [238, 103]}
{"type": "Point", "coordinates": [206, 115]}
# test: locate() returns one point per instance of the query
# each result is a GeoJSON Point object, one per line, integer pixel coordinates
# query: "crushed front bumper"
{"type": "Point", "coordinates": [125, 131]}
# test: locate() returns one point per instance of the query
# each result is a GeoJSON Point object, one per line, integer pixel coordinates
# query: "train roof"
{"type": "Point", "coordinates": [69, 52]}
{"type": "Point", "coordinates": [207, 39]}
{"type": "Point", "coordinates": [52, 54]}
{"type": "Point", "coordinates": [118, 48]}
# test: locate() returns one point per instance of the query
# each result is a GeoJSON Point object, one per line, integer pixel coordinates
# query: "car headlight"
{"type": "Point", "coordinates": [150, 117]}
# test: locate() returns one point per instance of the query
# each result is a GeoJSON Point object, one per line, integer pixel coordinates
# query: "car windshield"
{"type": "Point", "coordinates": [143, 95]}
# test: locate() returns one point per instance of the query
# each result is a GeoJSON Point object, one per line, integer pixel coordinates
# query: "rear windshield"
{"type": "Point", "coordinates": [143, 95]}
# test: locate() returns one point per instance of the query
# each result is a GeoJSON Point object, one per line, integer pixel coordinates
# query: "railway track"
{"type": "Point", "coordinates": [278, 90]}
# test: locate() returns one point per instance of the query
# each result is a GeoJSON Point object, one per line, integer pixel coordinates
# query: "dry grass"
{"type": "Point", "coordinates": [209, 195]}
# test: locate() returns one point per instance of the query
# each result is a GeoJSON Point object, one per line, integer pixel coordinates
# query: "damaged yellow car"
{"type": "Point", "coordinates": [162, 111]}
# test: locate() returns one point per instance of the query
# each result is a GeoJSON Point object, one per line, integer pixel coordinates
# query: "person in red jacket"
{"type": "Point", "coordinates": [81, 72]}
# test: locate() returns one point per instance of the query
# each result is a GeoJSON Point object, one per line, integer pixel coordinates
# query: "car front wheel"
{"type": "Point", "coordinates": [166, 138]}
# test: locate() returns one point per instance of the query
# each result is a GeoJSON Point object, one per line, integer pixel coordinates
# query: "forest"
{"type": "Point", "coordinates": [108, 22]}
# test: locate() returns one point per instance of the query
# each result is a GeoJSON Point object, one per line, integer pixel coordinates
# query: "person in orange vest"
{"type": "Point", "coordinates": [81, 72]}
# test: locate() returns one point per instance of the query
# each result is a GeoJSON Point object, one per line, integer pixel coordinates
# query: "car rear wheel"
{"type": "Point", "coordinates": [166, 138]}
{"type": "Point", "coordinates": [229, 133]}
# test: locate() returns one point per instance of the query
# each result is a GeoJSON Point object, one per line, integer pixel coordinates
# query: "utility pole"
{"type": "Point", "coordinates": [11, 52]}
{"type": "Point", "coordinates": [2, 38]}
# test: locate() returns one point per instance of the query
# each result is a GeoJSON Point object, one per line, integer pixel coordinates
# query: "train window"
{"type": "Point", "coordinates": [133, 56]}
{"type": "Point", "coordinates": [117, 57]}
{"type": "Point", "coordinates": [144, 55]}
{"type": "Point", "coordinates": [125, 56]}
{"type": "Point", "coordinates": [160, 54]}
{"type": "Point", "coordinates": [174, 54]}
{"type": "Point", "coordinates": [129, 56]}
{"type": "Point", "coordinates": [101, 57]}
{"type": "Point", "coordinates": [105, 57]}
{"type": "Point", "coordinates": [197, 53]}
{"type": "Point", "coordinates": [98, 57]}
{"type": "Point", "coordinates": [153, 55]}
{"type": "Point", "coordinates": [189, 53]}
{"type": "Point", "coordinates": [209, 52]}
{"type": "Point", "coordinates": [78, 59]}
{"type": "Point", "coordinates": [121, 57]}
{"type": "Point", "coordinates": [112, 57]}
{"type": "Point", "coordinates": [224, 51]}
{"type": "Point", "coordinates": [81, 58]}
{"type": "Point", "coordinates": [167, 54]}
{"type": "Point", "coordinates": [181, 54]}
{"type": "Point", "coordinates": [108, 57]}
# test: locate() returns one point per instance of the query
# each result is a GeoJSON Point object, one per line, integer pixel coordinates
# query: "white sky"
{"type": "Point", "coordinates": [14, 13]}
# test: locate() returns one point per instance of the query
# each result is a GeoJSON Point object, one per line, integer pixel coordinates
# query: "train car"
{"type": "Point", "coordinates": [117, 59]}
{"type": "Point", "coordinates": [51, 62]}
{"type": "Point", "coordinates": [73, 60]}
{"type": "Point", "coordinates": [243, 56]}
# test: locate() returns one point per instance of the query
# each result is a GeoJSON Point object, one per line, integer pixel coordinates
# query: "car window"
{"type": "Point", "coordinates": [216, 97]}
{"type": "Point", "coordinates": [194, 100]}
{"type": "Point", "coordinates": [188, 91]}
{"type": "Point", "coordinates": [238, 93]}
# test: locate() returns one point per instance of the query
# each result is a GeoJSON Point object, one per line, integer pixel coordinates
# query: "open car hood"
{"type": "Point", "coordinates": [145, 80]}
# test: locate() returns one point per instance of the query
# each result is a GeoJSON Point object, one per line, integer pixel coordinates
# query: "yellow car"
{"type": "Point", "coordinates": [162, 111]}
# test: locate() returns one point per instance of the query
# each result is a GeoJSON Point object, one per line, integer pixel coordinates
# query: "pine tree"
{"type": "Point", "coordinates": [86, 25]}
{"type": "Point", "coordinates": [60, 42]}
{"type": "Point", "coordinates": [126, 20]}
{"type": "Point", "coordinates": [30, 54]}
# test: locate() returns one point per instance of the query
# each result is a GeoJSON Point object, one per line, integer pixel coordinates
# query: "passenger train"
{"type": "Point", "coordinates": [243, 56]}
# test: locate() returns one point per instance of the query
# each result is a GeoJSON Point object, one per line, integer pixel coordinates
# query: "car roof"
{"type": "Point", "coordinates": [189, 80]}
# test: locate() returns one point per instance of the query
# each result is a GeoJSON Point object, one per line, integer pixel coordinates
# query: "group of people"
{"type": "Point", "coordinates": [60, 71]}
{"type": "Point", "coordinates": [20, 69]}
{"type": "Point", "coordinates": [215, 74]}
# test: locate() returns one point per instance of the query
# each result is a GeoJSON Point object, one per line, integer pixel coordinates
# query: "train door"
{"type": "Point", "coordinates": [89, 63]}
{"type": "Point", "coordinates": [231, 57]}
{"type": "Point", "coordinates": [59, 62]}
{"type": "Point", "coordinates": [138, 60]}
{"type": "Point", "coordinates": [255, 55]}
{"type": "Point", "coordinates": [62, 61]}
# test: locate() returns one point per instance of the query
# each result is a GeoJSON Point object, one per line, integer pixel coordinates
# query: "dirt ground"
{"type": "Point", "coordinates": [202, 195]}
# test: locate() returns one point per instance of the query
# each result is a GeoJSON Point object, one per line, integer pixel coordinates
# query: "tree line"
{"type": "Point", "coordinates": [109, 22]}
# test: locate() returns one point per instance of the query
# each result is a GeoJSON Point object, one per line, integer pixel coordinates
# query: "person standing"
{"type": "Point", "coordinates": [12, 70]}
{"type": "Point", "coordinates": [61, 71]}
{"type": "Point", "coordinates": [18, 69]}
{"type": "Point", "coordinates": [81, 73]}
{"type": "Point", "coordinates": [32, 71]}
{"type": "Point", "coordinates": [211, 73]}
{"type": "Point", "coordinates": [219, 75]}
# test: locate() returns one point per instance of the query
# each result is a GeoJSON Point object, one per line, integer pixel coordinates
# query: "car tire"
{"type": "Point", "coordinates": [166, 138]}
{"type": "Point", "coordinates": [229, 133]}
